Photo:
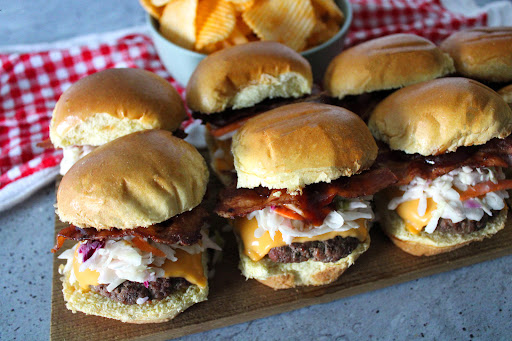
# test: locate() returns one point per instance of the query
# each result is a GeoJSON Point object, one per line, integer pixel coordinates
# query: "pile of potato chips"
{"type": "Point", "coordinates": [210, 25]}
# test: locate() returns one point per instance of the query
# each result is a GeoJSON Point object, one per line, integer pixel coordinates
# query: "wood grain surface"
{"type": "Point", "coordinates": [234, 300]}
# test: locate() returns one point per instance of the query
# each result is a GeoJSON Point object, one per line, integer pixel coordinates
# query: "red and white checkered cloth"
{"type": "Point", "coordinates": [32, 80]}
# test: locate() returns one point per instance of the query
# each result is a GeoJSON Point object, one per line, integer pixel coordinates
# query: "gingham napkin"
{"type": "Point", "coordinates": [33, 77]}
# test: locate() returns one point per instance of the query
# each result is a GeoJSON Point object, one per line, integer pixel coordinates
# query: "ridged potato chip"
{"type": "Point", "coordinates": [326, 10]}
{"type": "Point", "coordinates": [210, 48]}
{"type": "Point", "coordinates": [242, 27]}
{"type": "Point", "coordinates": [178, 22]}
{"type": "Point", "coordinates": [328, 22]}
{"type": "Point", "coordinates": [237, 37]}
{"type": "Point", "coordinates": [289, 22]}
{"type": "Point", "coordinates": [151, 8]}
{"type": "Point", "coordinates": [242, 5]}
{"type": "Point", "coordinates": [215, 22]}
{"type": "Point", "coordinates": [159, 3]}
{"type": "Point", "coordinates": [322, 32]}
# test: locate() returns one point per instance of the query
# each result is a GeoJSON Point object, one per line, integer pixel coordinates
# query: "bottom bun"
{"type": "Point", "coordinates": [155, 311]}
{"type": "Point", "coordinates": [429, 244]}
{"type": "Point", "coordinates": [290, 275]}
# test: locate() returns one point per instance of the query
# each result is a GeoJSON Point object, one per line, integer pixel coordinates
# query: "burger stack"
{"type": "Point", "coordinates": [109, 104]}
{"type": "Point", "coordinates": [447, 141]}
{"type": "Point", "coordinates": [302, 202]}
{"type": "Point", "coordinates": [134, 206]}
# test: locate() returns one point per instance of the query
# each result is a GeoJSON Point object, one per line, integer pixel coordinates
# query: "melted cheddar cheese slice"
{"type": "Point", "coordinates": [408, 211]}
{"type": "Point", "coordinates": [187, 266]}
{"type": "Point", "coordinates": [224, 163]}
{"type": "Point", "coordinates": [257, 248]}
{"type": "Point", "coordinates": [86, 277]}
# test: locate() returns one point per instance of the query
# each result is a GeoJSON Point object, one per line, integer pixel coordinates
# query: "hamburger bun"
{"type": "Point", "coordinates": [300, 144]}
{"type": "Point", "coordinates": [384, 63]}
{"type": "Point", "coordinates": [429, 244]}
{"type": "Point", "coordinates": [112, 103]}
{"type": "Point", "coordinates": [483, 53]}
{"type": "Point", "coordinates": [438, 116]}
{"type": "Point", "coordinates": [290, 275]}
{"type": "Point", "coordinates": [135, 181]}
{"type": "Point", "coordinates": [155, 311]}
{"type": "Point", "coordinates": [263, 70]}
{"type": "Point", "coordinates": [506, 93]}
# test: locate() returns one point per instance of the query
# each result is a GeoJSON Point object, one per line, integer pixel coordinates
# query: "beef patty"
{"type": "Point", "coordinates": [466, 226]}
{"type": "Point", "coordinates": [128, 292]}
{"type": "Point", "coordinates": [327, 251]}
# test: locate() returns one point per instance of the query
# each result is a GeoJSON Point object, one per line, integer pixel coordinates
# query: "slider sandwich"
{"type": "Point", "coordinates": [361, 76]}
{"type": "Point", "coordinates": [109, 104]}
{"type": "Point", "coordinates": [448, 142]}
{"type": "Point", "coordinates": [482, 53]}
{"type": "Point", "coordinates": [236, 83]}
{"type": "Point", "coordinates": [133, 206]}
{"type": "Point", "coordinates": [302, 203]}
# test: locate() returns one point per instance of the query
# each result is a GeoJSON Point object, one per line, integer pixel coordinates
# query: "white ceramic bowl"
{"type": "Point", "coordinates": [181, 62]}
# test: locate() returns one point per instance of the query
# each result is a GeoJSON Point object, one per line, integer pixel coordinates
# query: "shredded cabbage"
{"type": "Point", "coordinates": [142, 300]}
{"type": "Point", "coordinates": [227, 135]}
{"type": "Point", "coordinates": [445, 189]}
{"type": "Point", "coordinates": [119, 260]}
{"type": "Point", "coordinates": [72, 154]}
{"type": "Point", "coordinates": [342, 219]}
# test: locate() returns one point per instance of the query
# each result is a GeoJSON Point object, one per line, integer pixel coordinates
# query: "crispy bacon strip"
{"type": "Point", "coordinates": [367, 183]}
{"type": "Point", "coordinates": [495, 153]}
{"type": "Point", "coordinates": [236, 202]}
{"type": "Point", "coordinates": [183, 229]}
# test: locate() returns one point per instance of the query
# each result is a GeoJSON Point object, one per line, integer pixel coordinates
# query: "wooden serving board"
{"type": "Point", "coordinates": [240, 300]}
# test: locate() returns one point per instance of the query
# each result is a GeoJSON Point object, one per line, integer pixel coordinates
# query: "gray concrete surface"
{"type": "Point", "coordinates": [472, 303]}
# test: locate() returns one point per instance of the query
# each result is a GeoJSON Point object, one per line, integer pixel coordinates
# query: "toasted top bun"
{"type": "Point", "coordinates": [483, 53]}
{"type": "Point", "coordinates": [243, 75]}
{"type": "Point", "coordinates": [300, 144]}
{"type": "Point", "coordinates": [506, 93]}
{"type": "Point", "coordinates": [112, 103]}
{"type": "Point", "coordinates": [385, 63]}
{"type": "Point", "coordinates": [137, 180]}
{"type": "Point", "coordinates": [440, 115]}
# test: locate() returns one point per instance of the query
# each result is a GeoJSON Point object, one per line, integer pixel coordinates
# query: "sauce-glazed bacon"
{"type": "Point", "coordinates": [183, 229]}
{"type": "Point", "coordinates": [314, 200]}
{"type": "Point", "coordinates": [495, 153]}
